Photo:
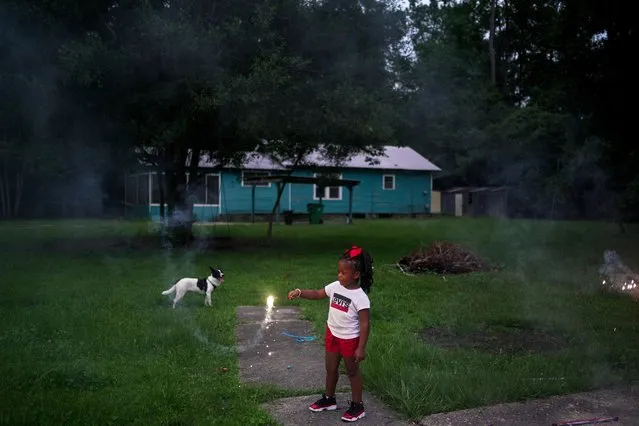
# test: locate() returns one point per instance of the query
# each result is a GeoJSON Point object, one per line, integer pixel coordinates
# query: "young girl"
{"type": "Point", "coordinates": [347, 327]}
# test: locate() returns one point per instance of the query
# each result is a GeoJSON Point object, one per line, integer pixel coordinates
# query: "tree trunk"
{"type": "Point", "coordinates": [280, 191]}
{"type": "Point", "coordinates": [491, 43]}
{"type": "Point", "coordinates": [177, 225]}
{"type": "Point", "coordinates": [161, 183]}
{"type": "Point", "coordinates": [619, 213]}
{"type": "Point", "coordinates": [193, 177]}
{"type": "Point", "coordinates": [180, 210]}
{"type": "Point", "coordinates": [2, 197]}
{"type": "Point", "coordinates": [19, 185]}
{"type": "Point", "coordinates": [622, 227]}
{"type": "Point", "coordinates": [171, 185]}
{"type": "Point", "coordinates": [7, 188]}
{"type": "Point", "coordinates": [269, 231]}
{"type": "Point", "coordinates": [505, 26]}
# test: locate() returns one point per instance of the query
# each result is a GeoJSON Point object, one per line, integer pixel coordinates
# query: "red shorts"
{"type": "Point", "coordinates": [346, 347]}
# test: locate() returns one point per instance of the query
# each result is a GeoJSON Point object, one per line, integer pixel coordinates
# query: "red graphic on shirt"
{"type": "Point", "coordinates": [340, 302]}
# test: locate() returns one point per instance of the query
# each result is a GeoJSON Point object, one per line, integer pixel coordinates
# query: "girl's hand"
{"type": "Point", "coordinates": [360, 354]}
{"type": "Point", "coordinates": [294, 294]}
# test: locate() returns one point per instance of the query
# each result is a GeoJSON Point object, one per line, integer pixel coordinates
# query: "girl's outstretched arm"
{"type": "Point", "coordinates": [307, 294]}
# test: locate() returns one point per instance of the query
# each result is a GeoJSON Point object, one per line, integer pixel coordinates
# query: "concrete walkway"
{"type": "Point", "coordinates": [622, 403]}
{"type": "Point", "coordinates": [295, 412]}
{"type": "Point", "coordinates": [266, 356]}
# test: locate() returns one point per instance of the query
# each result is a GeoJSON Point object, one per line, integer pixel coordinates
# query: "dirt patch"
{"type": "Point", "coordinates": [499, 339]}
{"type": "Point", "coordinates": [442, 258]}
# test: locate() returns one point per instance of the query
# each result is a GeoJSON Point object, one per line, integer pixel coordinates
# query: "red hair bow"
{"type": "Point", "coordinates": [353, 251]}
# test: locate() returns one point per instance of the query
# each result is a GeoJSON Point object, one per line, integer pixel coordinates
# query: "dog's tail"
{"type": "Point", "coordinates": [169, 291]}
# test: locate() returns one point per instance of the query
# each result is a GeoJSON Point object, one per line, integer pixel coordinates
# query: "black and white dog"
{"type": "Point", "coordinates": [198, 285]}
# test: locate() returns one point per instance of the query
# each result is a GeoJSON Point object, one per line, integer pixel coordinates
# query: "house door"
{"type": "Point", "coordinates": [459, 199]}
{"type": "Point", "coordinates": [436, 202]}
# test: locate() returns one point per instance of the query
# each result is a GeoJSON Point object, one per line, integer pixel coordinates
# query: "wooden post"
{"type": "Point", "coordinates": [277, 207]}
{"type": "Point", "coordinates": [253, 203]}
{"type": "Point", "coordinates": [350, 205]}
{"type": "Point", "coordinates": [126, 184]}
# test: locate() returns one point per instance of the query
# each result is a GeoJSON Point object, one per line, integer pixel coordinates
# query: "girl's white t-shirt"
{"type": "Point", "coordinates": [343, 311]}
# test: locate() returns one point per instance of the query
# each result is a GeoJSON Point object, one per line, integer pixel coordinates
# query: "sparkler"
{"type": "Point", "coordinates": [592, 421]}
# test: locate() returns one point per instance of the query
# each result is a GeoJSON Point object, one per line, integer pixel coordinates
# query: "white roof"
{"type": "Point", "coordinates": [252, 162]}
{"type": "Point", "coordinates": [394, 158]}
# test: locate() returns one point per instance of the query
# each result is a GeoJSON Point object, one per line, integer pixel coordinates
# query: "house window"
{"type": "Point", "coordinates": [197, 189]}
{"type": "Point", "coordinates": [330, 192]}
{"type": "Point", "coordinates": [205, 190]}
{"type": "Point", "coordinates": [254, 174]}
{"type": "Point", "coordinates": [388, 182]}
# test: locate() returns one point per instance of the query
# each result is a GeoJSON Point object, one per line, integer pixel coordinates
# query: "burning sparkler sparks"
{"type": "Point", "coordinates": [626, 286]}
{"type": "Point", "coordinates": [618, 277]}
{"type": "Point", "coordinates": [265, 324]}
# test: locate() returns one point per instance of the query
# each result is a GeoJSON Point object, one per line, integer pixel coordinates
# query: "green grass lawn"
{"type": "Point", "coordinates": [87, 338]}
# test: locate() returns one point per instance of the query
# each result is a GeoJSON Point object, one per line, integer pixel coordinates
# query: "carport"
{"type": "Point", "coordinates": [321, 181]}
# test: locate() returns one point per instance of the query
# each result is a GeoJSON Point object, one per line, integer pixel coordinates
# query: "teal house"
{"type": "Point", "coordinates": [399, 182]}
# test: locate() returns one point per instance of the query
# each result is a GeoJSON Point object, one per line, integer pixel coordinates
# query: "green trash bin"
{"type": "Point", "coordinates": [315, 211]}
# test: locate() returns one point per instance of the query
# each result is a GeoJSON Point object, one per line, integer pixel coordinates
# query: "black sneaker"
{"type": "Point", "coordinates": [354, 413]}
{"type": "Point", "coordinates": [324, 404]}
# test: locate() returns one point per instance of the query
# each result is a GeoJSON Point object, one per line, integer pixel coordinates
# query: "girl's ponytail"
{"type": "Point", "coordinates": [363, 261]}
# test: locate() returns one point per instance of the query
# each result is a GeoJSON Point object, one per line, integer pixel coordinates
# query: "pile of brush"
{"type": "Point", "coordinates": [442, 258]}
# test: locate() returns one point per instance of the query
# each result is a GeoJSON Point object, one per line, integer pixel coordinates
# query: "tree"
{"type": "Point", "coordinates": [548, 64]}
{"type": "Point", "coordinates": [451, 99]}
{"type": "Point", "coordinates": [323, 83]}
{"type": "Point", "coordinates": [28, 96]}
{"type": "Point", "coordinates": [162, 74]}
{"type": "Point", "coordinates": [191, 78]}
